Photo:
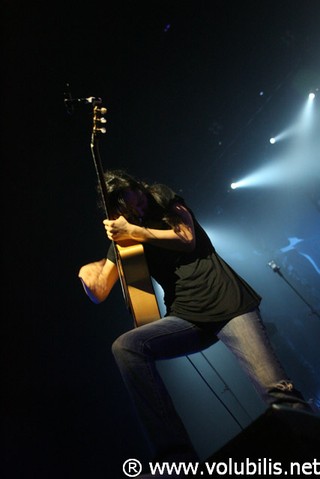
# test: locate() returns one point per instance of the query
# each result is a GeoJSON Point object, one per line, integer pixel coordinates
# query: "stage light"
{"type": "Point", "coordinates": [239, 184]}
{"type": "Point", "coordinates": [302, 124]}
{"type": "Point", "coordinates": [299, 163]}
{"type": "Point", "coordinates": [274, 173]}
{"type": "Point", "coordinates": [250, 180]}
{"type": "Point", "coordinates": [307, 113]}
{"type": "Point", "coordinates": [287, 133]}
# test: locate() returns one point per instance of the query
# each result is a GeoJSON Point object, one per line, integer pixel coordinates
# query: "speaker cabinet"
{"type": "Point", "coordinates": [279, 434]}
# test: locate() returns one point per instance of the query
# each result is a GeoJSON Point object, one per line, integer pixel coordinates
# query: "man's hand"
{"type": "Point", "coordinates": [119, 229]}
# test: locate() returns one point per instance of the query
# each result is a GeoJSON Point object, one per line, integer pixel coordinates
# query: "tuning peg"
{"type": "Point", "coordinates": [101, 110]}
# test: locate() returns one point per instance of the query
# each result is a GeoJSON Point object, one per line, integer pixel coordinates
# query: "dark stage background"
{"type": "Point", "coordinates": [194, 91]}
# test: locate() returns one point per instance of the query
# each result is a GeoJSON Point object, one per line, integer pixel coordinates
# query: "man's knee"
{"type": "Point", "coordinates": [118, 346]}
{"type": "Point", "coordinates": [125, 344]}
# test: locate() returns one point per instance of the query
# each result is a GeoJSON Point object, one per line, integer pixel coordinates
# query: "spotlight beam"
{"type": "Point", "coordinates": [300, 126]}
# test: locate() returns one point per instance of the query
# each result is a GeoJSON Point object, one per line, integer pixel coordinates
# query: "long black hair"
{"type": "Point", "coordinates": [161, 199]}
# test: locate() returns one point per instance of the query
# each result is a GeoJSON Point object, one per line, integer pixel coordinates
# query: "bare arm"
{"type": "Point", "coordinates": [98, 278]}
{"type": "Point", "coordinates": [181, 239]}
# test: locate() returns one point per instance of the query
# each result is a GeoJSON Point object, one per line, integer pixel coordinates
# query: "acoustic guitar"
{"type": "Point", "coordinates": [136, 283]}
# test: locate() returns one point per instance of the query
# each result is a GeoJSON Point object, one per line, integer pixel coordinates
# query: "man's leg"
{"type": "Point", "coordinates": [247, 338]}
{"type": "Point", "coordinates": [136, 353]}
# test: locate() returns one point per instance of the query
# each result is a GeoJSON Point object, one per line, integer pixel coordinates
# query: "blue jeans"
{"type": "Point", "coordinates": [136, 353]}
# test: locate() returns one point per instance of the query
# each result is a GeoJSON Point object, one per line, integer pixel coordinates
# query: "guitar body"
{"type": "Point", "coordinates": [132, 266]}
{"type": "Point", "coordinates": [135, 279]}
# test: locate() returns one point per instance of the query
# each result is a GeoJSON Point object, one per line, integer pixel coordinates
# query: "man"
{"type": "Point", "coordinates": [206, 301]}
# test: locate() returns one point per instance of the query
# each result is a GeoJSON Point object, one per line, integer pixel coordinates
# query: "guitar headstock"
{"type": "Point", "coordinates": [98, 119]}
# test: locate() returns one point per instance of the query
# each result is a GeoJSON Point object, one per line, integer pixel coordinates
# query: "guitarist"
{"type": "Point", "coordinates": [206, 301]}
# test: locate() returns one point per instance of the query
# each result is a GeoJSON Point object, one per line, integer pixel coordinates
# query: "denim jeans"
{"type": "Point", "coordinates": [136, 353]}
